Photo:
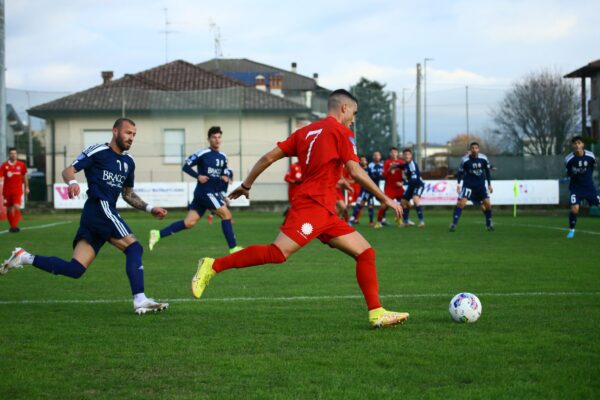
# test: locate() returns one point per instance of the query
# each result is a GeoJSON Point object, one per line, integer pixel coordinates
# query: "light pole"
{"type": "Point", "coordinates": [467, 109]}
{"type": "Point", "coordinates": [425, 105]}
{"type": "Point", "coordinates": [403, 118]}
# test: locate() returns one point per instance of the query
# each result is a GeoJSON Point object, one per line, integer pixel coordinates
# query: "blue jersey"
{"type": "Point", "coordinates": [474, 171]}
{"type": "Point", "coordinates": [106, 172]}
{"type": "Point", "coordinates": [211, 163]}
{"type": "Point", "coordinates": [580, 170]}
{"type": "Point", "coordinates": [375, 171]}
{"type": "Point", "coordinates": [225, 185]}
{"type": "Point", "coordinates": [412, 173]}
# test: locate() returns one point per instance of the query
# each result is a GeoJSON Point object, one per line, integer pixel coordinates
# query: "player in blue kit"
{"type": "Point", "coordinates": [109, 170]}
{"type": "Point", "coordinates": [211, 165]}
{"type": "Point", "coordinates": [474, 171]}
{"type": "Point", "coordinates": [375, 171]}
{"type": "Point", "coordinates": [414, 190]}
{"type": "Point", "coordinates": [580, 167]}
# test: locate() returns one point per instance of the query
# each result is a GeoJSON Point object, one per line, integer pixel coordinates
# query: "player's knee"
{"type": "Point", "coordinates": [134, 248]}
{"type": "Point", "coordinates": [189, 223]}
{"type": "Point", "coordinates": [366, 255]}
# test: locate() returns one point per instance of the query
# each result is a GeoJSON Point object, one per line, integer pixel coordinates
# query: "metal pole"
{"type": "Point", "coordinates": [425, 105]}
{"type": "Point", "coordinates": [3, 124]}
{"type": "Point", "coordinates": [394, 121]}
{"type": "Point", "coordinates": [403, 119]}
{"type": "Point", "coordinates": [418, 100]}
{"type": "Point", "coordinates": [583, 107]}
{"type": "Point", "coordinates": [467, 109]}
{"type": "Point", "coordinates": [29, 132]}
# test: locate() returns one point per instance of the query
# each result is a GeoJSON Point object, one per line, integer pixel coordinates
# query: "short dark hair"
{"type": "Point", "coordinates": [335, 98]}
{"type": "Point", "coordinates": [473, 144]}
{"type": "Point", "coordinates": [576, 138]}
{"type": "Point", "coordinates": [213, 130]}
{"type": "Point", "coordinates": [393, 148]}
{"type": "Point", "coordinates": [119, 122]}
{"type": "Point", "coordinates": [12, 149]}
{"type": "Point", "coordinates": [407, 150]}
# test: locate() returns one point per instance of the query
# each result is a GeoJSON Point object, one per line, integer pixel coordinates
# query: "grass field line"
{"type": "Point", "coordinates": [555, 228]}
{"type": "Point", "coordinates": [39, 226]}
{"type": "Point", "coordinates": [301, 298]}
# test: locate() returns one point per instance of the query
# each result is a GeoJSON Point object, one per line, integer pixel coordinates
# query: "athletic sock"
{"type": "Point", "coordinates": [488, 217]}
{"type": "Point", "coordinates": [173, 228]}
{"type": "Point", "coordinates": [58, 266]}
{"type": "Point", "coordinates": [572, 220]}
{"type": "Point", "coordinates": [134, 267]}
{"type": "Point", "coordinates": [228, 232]}
{"type": "Point", "coordinates": [420, 213]}
{"type": "Point", "coordinates": [457, 212]}
{"type": "Point", "coordinates": [257, 254]}
{"type": "Point", "coordinates": [355, 212]}
{"type": "Point", "coordinates": [366, 275]}
{"type": "Point", "coordinates": [359, 211]}
{"type": "Point", "coordinates": [405, 214]}
{"type": "Point", "coordinates": [381, 215]}
{"type": "Point", "coordinates": [371, 214]}
{"type": "Point", "coordinates": [12, 218]}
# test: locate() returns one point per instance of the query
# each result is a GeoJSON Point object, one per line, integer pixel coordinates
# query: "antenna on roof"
{"type": "Point", "coordinates": [214, 28]}
{"type": "Point", "coordinates": [167, 32]}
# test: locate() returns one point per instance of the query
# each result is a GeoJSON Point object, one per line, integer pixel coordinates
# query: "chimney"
{"type": "Point", "coordinates": [106, 76]}
{"type": "Point", "coordinates": [276, 85]}
{"type": "Point", "coordinates": [316, 77]}
{"type": "Point", "coordinates": [294, 67]}
{"type": "Point", "coordinates": [260, 83]}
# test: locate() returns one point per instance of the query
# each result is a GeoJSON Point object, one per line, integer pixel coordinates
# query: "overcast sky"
{"type": "Point", "coordinates": [62, 45]}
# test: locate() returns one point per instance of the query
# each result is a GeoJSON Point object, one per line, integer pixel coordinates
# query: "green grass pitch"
{"type": "Point", "coordinates": [299, 330]}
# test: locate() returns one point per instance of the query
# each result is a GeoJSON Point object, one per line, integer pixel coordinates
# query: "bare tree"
{"type": "Point", "coordinates": [459, 144]}
{"type": "Point", "coordinates": [537, 114]}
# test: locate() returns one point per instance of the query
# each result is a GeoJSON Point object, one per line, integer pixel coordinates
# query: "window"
{"type": "Point", "coordinates": [95, 136]}
{"type": "Point", "coordinates": [174, 141]}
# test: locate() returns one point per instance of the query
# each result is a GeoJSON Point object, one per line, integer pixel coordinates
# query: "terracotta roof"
{"type": "Point", "coordinates": [175, 86]}
{"type": "Point", "coordinates": [245, 71]}
{"type": "Point", "coordinates": [592, 69]}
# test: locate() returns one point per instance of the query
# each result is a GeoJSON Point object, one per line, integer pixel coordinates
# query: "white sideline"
{"type": "Point", "coordinates": [300, 298]}
{"type": "Point", "coordinates": [39, 226]}
{"type": "Point", "coordinates": [548, 227]}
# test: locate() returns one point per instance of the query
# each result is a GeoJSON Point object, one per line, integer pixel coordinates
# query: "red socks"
{"type": "Point", "coordinates": [366, 275]}
{"type": "Point", "coordinates": [250, 256]}
{"type": "Point", "coordinates": [380, 214]}
{"type": "Point", "coordinates": [13, 217]}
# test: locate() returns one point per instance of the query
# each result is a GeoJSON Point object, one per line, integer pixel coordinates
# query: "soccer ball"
{"type": "Point", "coordinates": [465, 307]}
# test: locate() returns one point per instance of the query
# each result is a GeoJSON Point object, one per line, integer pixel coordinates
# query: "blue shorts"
{"type": "Point", "coordinates": [578, 196]}
{"type": "Point", "coordinates": [413, 190]}
{"type": "Point", "coordinates": [99, 222]}
{"type": "Point", "coordinates": [475, 194]}
{"type": "Point", "coordinates": [206, 201]}
{"type": "Point", "coordinates": [367, 197]}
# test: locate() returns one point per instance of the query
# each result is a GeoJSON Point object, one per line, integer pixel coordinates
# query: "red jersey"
{"type": "Point", "coordinates": [13, 177]}
{"type": "Point", "coordinates": [322, 148]}
{"type": "Point", "coordinates": [293, 178]}
{"type": "Point", "coordinates": [393, 176]}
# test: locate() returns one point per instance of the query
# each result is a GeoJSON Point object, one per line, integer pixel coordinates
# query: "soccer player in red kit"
{"type": "Point", "coordinates": [293, 178]}
{"type": "Point", "coordinates": [322, 148]}
{"type": "Point", "coordinates": [394, 188]}
{"type": "Point", "coordinates": [14, 173]}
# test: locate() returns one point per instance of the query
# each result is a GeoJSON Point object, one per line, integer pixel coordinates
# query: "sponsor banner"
{"type": "Point", "coordinates": [239, 202]}
{"type": "Point", "coordinates": [443, 192]}
{"type": "Point", "coordinates": [160, 194]}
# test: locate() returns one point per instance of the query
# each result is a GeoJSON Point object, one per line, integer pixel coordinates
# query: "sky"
{"type": "Point", "coordinates": [60, 46]}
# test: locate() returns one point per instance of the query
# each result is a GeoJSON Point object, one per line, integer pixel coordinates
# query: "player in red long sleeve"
{"type": "Point", "coordinates": [322, 148]}
{"type": "Point", "coordinates": [394, 188]}
{"type": "Point", "coordinates": [14, 173]}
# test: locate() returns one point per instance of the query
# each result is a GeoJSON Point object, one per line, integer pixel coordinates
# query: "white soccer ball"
{"type": "Point", "coordinates": [465, 307]}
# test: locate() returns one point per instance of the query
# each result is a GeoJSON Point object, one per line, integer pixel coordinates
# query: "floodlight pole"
{"type": "Point", "coordinates": [403, 119]}
{"type": "Point", "coordinates": [425, 104]}
{"type": "Point", "coordinates": [3, 124]}
{"type": "Point", "coordinates": [418, 100]}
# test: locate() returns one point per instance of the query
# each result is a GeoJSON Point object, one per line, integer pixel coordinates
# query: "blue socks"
{"type": "Point", "coordinates": [173, 228]}
{"type": "Point", "coordinates": [228, 232]}
{"type": "Point", "coordinates": [572, 220]}
{"type": "Point", "coordinates": [58, 266]}
{"type": "Point", "coordinates": [134, 267]}
{"type": "Point", "coordinates": [420, 213]}
{"type": "Point", "coordinates": [488, 217]}
{"type": "Point", "coordinates": [371, 214]}
{"type": "Point", "coordinates": [405, 214]}
{"type": "Point", "coordinates": [357, 208]}
{"type": "Point", "coordinates": [456, 216]}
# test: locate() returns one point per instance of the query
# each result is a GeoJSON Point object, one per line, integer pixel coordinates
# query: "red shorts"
{"type": "Point", "coordinates": [394, 194]}
{"type": "Point", "coordinates": [12, 199]}
{"type": "Point", "coordinates": [308, 219]}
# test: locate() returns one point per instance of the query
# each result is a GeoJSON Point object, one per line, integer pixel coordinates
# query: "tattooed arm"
{"type": "Point", "coordinates": [135, 201]}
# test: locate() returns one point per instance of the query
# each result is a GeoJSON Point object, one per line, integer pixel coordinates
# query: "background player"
{"type": "Point", "coordinates": [414, 190]}
{"type": "Point", "coordinates": [14, 173]}
{"type": "Point", "coordinates": [394, 187]}
{"type": "Point", "coordinates": [474, 170]}
{"type": "Point", "coordinates": [322, 148]}
{"type": "Point", "coordinates": [211, 164]}
{"type": "Point", "coordinates": [580, 166]}
{"type": "Point", "coordinates": [375, 171]}
{"type": "Point", "coordinates": [110, 172]}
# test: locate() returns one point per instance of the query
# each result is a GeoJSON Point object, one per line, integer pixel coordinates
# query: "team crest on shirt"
{"type": "Point", "coordinates": [306, 229]}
